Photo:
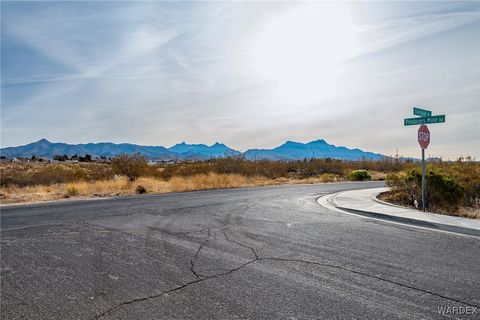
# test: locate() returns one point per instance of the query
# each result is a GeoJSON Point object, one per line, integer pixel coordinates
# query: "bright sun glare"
{"type": "Point", "coordinates": [301, 51]}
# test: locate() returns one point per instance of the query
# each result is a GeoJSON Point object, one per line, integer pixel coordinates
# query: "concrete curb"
{"type": "Point", "coordinates": [418, 223]}
{"type": "Point", "coordinates": [374, 198]}
{"type": "Point", "coordinates": [404, 220]}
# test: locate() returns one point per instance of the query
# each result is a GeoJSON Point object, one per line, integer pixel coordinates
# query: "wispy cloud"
{"type": "Point", "coordinates": [163, 72]}
{"type": "Point", "coordinates": [391, 32]}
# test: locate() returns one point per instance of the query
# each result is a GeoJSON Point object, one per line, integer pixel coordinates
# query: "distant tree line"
{"type": "Point", "coordinates": [75, 157]}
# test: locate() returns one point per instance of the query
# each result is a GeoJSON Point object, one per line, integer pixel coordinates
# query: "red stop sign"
{"type": "Point", "coordinates": [423, 136]}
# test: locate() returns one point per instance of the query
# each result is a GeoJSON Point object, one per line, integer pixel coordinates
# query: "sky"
{"type": "Point", "coordinates": [247, 74]}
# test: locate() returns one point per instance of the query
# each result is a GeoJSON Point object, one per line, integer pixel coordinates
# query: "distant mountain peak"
{"type": "Point", "coordinates": [319, 141]}
{"type": "Point", "coordinates": [43, 140]}
{"type": "Point", "coordinates": [202, 151]}
{"type": "Point", "coordinates": [292, 143]}
{"type": "Point", "coordinates": [320, 148]}
{"type": "Point", "coordinates": [219, 145]}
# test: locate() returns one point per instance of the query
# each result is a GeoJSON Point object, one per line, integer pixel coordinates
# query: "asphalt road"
{"type": "Point", "coordinates": [264, 253]}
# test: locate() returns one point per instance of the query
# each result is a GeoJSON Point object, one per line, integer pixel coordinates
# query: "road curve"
{"type": "Point", "coordinates": [256, 253]}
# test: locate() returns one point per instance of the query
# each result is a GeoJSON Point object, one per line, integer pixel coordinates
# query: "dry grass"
{"type": "Point", "coordinates": [377, 175]}
{"type": "Point", "coordinates": [466, 212]}
{"type": "Point", "coordinates": [123, 187]}
{"type": "Point", "coordinates": [41, 173]}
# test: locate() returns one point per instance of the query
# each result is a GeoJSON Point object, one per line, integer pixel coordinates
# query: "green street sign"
{"type": "Point", "coordinates": [421, 112]}
{"type": "Point", "coordinates": [423, 120]}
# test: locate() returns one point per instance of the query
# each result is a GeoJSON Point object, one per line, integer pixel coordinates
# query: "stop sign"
{"type": "Point", "coordinates": [423, 136]}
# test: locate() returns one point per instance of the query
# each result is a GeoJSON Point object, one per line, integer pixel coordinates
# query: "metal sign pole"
{"type": "Point", "coordinates": [425, 117]}
{"type": "Point", "coordinates": [423, 180]}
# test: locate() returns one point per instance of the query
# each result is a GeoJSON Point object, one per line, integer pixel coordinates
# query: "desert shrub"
{"type": "Point", "coordinates": [413, 185]}
{"type": "Point", "coordinates": [395, 181]}
{"type": "Point", "coordinates": [443, 190]}
{"type": "Point", "coordinates": [39, 175]}
{"type": "Point", "coordinates": [140, 190]}
{"type": "Point", "coordinates": [71, 191]}
{"type": "Point", "coordinates": [468, 175]}
{"type": "Point", "coordinates": [130, 165]}
{"type": "Point", "coordinates": [449, 184]}
{"type": "Point", "coordinates": [33, 174]}
{"type": "Point", "coordinates": [300, 169]}
{"type": "Point", "coordinates": [472, 192]}
{"type": "Point", "coordinates": [328, 177]}
{"type": "Point", "coordinates": [359, 175]}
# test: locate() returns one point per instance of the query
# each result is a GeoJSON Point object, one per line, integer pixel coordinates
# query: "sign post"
{"type": "Point", "coordinates": [424, 117]}
{"type": "Point", "coordinates": [424, 207]}
{"type": "Point", "coordinates": [424, 141]}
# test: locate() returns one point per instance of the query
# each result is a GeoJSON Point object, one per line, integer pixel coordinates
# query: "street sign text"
{"type": "Point", "coordinates": [421, 112]}
{"type": "Point", "coordinates": [423, 120]}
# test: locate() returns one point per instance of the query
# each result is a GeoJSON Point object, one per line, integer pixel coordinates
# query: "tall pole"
{"type": "Point", "coordinates": [423, 180]}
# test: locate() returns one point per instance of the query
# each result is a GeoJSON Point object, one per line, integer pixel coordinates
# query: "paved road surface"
{"type": "Point", "coordinates": [266, 253]}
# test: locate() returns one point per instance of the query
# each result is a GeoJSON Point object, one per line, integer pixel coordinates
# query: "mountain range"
{"type": "Point", "coordinates": [288, 151]}
{"type": "Point", "coordinates": [291, 150]}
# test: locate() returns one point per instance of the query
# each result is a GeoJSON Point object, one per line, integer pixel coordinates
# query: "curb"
{"type": "Point", "coordinates": [374, 198]}
{"type": "Point", "coordinates": [418, 223]}
{"type": "Point", "coordinates": [414, 222]}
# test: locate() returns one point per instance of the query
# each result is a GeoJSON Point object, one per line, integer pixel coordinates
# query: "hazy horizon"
{"type": "Point", "coordinates": [246, 74]}
{"type": "Point", "coordinates": [188, 143]}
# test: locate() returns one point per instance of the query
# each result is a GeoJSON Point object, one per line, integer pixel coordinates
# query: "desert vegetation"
{"type": "Point", "coordinates": [454, 187]}
{"type": "Point", "coordinates": [130, 165]}
{"type": "Point", "coordinates": [451, 188]}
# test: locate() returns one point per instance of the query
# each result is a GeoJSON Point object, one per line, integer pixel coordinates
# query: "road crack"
{"type": "Point", "coordinates": [195, 257]}
{"type": "Point", "coordinates": [328, 265]}
{"type": "Point", "coordinates": [200, 278]}
{"type": "Point", "coordinates": [241, 244]}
